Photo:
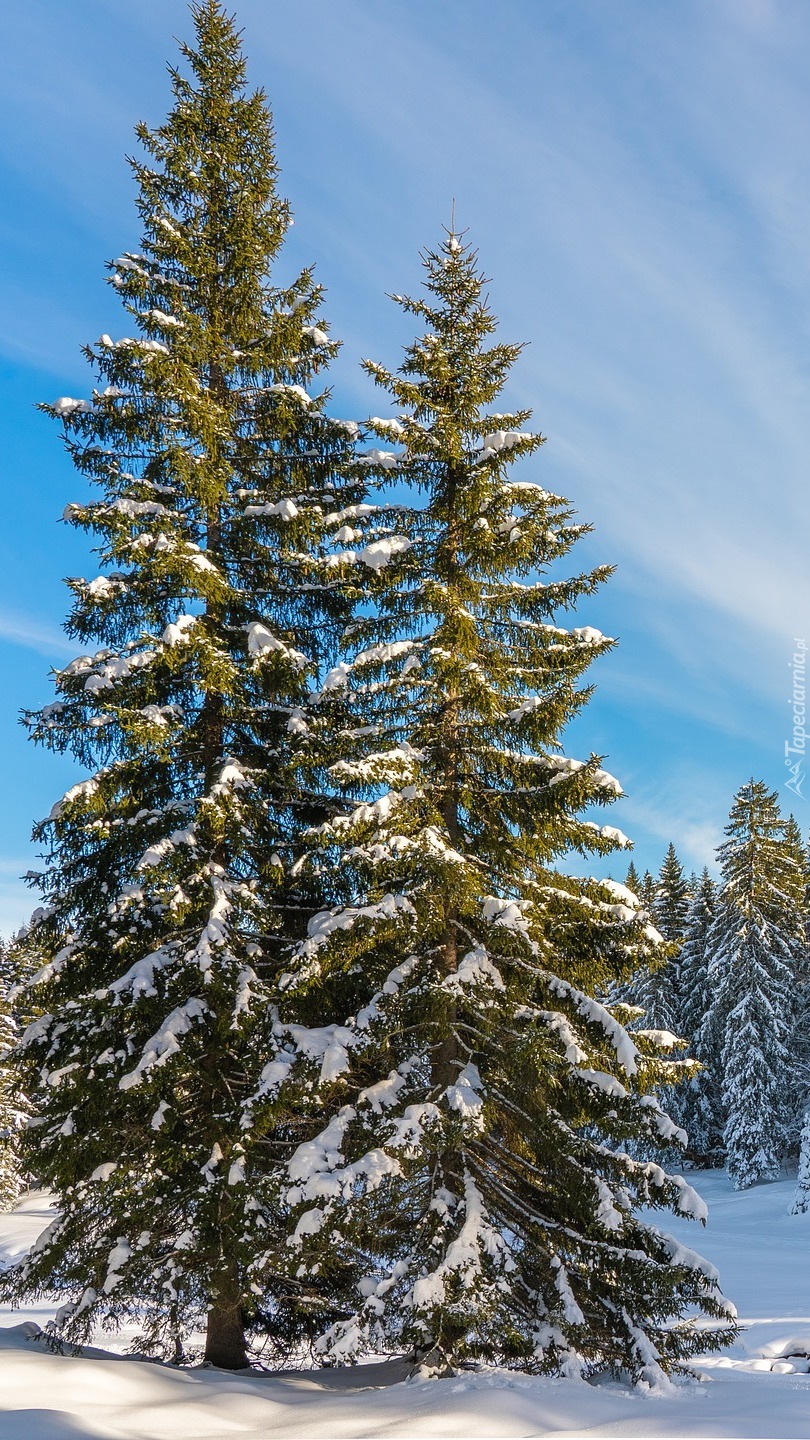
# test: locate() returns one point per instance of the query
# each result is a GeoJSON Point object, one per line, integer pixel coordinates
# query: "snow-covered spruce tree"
{"type": "Point", "coordinates": [697, 1103]}
{"type": "Point", "coordinates": [169, 880]}
{"type": "Point", "coordinates": [470, 1163]}
{"type": "Point", "coordinates": [646, 890]}
{"type": "Point", "coordinates": [800, 1040]}
{"type": "Point", "coordinates": [751, 954]}
{"type": "Point", "coordinates": [694, 992]}
{"type": "Point", "coordinates": [672, 897]}
{"type": "Point", "coordinates": [656, 987]}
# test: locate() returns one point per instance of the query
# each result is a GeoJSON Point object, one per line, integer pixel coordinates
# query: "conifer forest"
{"type": "Point", "coordinates": [346, 1028]}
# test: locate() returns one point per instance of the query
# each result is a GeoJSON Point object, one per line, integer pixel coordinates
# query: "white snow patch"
{"type": "Point", "coordinates": [261, 642]}
{"type": "Point", "coordinates": [166, 1041]}
{"type": "Point", "coordinates": [280, 509]}
{"type": "Point", "coordinates": [178, 633]}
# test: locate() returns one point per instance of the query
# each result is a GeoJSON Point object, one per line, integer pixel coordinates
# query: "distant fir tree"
{"type": "Point", "coordinates": [632, 879]}
{"type": "Point", "coordinates": [672, 897]}
{"type": "Point", "coordinates": [752, 948]}
{"type": "Point", "coordinates": [800, 1041]}
{"type": "Point", "coordinates": [695, 995]}
{"type": "Point", "coordinates": [798, 883]}
{"type": "Point", "coordinates": [801, 895]}
{"type": "Point", "coordinates": [646, 891]}
{"type": "Point", "coordinates": [793, 838]}
{"type": "Point", "coordinates": [172, 895]}
{"type": "Point", "coordinates": [697, 1104]}
{"type": "Point", "coordinates": [656, 988]}
{"type": "Point", "coordinates": [480, 1064]}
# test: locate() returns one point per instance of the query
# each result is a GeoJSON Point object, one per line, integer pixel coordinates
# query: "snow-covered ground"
{"type": "Point", "coordinates": [763, 1255]}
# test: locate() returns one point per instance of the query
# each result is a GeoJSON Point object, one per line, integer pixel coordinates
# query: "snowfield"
{"type": "Point", "coordinates": [759, 1389]}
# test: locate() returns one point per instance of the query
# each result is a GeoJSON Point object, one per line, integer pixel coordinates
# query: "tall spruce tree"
{"type": "Point", "coordinates": [752, 947]}
{"type": "Point", "coordinates": [801, 1036]}
{"type": "Point", "coordinates": [697, 1104]}
{"type": "Point", "coordinates": [171, 887]}
{"type": "Point", "coordinates": [800, 1039]}
{"type": "Point", "coordinates": [471, 1165]}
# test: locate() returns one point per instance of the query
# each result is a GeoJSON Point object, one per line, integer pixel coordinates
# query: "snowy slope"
{"type": "Point", "coordinates": [763, 1256]}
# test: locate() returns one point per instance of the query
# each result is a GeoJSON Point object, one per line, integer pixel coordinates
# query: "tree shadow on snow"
{"type": "Point", "coordinates": [43, 1425]}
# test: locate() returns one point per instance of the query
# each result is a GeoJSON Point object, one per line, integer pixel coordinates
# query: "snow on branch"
{"type": "Point", "coordinates": [592, 1011]}
{"type": "Point", "coordinates": [261, 644]}
{"type": "Point", "coordinates": [474, 968]}
{"type": "Point", "coordinates": [376, 555]}
{"type": "Point", "coordinates": [462, 1261]}
{"type": "Point", "coordinates": [140, 978]}
{"type": "Point", "coordinates": [324, 925]}
{"type": "Point", "coordinates": [166, 1042]}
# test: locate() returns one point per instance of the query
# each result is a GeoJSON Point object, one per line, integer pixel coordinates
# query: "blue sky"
{"type": "Point", "coordinates": [636, 176]}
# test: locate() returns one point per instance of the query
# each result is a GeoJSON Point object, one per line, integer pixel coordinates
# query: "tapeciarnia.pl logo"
{"type": "Point", "coordinates": [795, 749]}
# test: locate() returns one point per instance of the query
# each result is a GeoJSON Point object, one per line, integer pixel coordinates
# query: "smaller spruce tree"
{"type": "Point", "coordinates": [471, 1162]}
{"type": "Point", "coordinates": [752, 946]}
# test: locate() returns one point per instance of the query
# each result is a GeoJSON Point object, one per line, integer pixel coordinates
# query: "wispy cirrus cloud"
{"type": "Point", "coordinates": [666, 818]}
{"type": "Point", "coordinates": [34, 635]}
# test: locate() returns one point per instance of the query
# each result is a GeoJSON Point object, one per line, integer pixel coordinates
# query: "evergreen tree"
{"type": "Point", "coordinates": [171, 883]}
{"type": "Point", "coordinates": [694, 992]}
{"type": "Point", "coordinates": [656, 988]}
{"type": "Point", "coordinates": [752, 946]}
{"type": "Point", "coordinates": [471, 1163]}
{"type": "Point", "coordinates": [797, 884]}
{"type": "Point", "coordinates": [672, 896]}
{"type": "Point", "coordinates": [632, 879]}
{"type": "Point", "coordinates": [646, 890]}
{"type": "Point", "coordinates": [794, 842]}
{"type": "Point", "coordinates": [800, 1040]}
{"type": "Point", "coordinates": [697, 1104]}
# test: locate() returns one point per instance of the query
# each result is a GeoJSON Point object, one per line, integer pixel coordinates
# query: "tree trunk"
{"type": "Point", "coordinates": [225, 1344]}
{"type": "Point", "coordinates": [447, 1057]}
{"type": "Point", "coordinates": [446, 1060]}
